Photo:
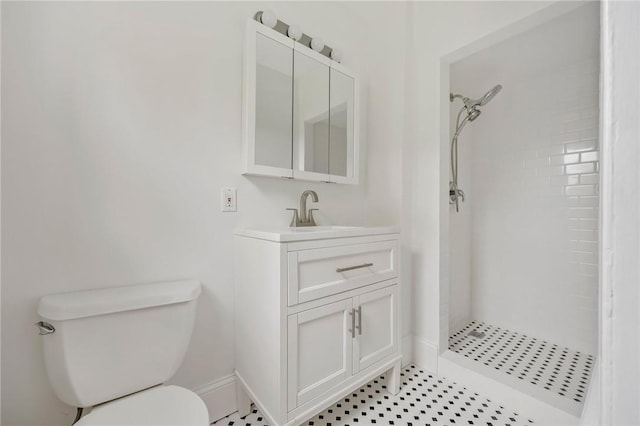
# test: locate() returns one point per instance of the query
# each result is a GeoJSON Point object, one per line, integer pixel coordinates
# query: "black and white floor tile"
{"type": "Point", "coordinates": [552, 367]}
{"type": "Point", "coordinates": [423, 400]}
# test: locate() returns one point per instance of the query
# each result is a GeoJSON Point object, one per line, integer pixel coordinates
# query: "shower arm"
{"type": "Point", "coordinates": [452, 97]}
{"type": "Point", "coordinates": [468, 103]}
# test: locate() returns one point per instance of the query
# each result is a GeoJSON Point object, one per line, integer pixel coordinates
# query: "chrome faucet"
{"type": "Point", "coordinates": [305, 217]}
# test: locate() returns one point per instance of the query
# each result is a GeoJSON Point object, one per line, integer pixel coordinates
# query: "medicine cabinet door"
{"type": "Point", "coordinates": [310, 115]}
{"type": "Point", "coordinates": [268, 104]}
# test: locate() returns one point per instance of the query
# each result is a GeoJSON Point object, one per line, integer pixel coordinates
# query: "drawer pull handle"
{"type": "Point", "coordinates": [353, 323]}
{"type": "Point", "coordinates": [351, 268]}
{"type": "Point", "coordinates": [359, 326]}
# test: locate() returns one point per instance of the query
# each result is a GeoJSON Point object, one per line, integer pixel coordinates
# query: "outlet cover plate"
{"type": "Point", "coordinates": [228, 199]}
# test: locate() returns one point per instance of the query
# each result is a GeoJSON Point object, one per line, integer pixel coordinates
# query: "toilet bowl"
{"type": "Point", "coordinates": [113, 349]}
{"type": "Point", "coordinates": [159, 406]}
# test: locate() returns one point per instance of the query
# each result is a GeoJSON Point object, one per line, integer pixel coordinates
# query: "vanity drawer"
{"type": "Point", "coordinates": [321, 272]}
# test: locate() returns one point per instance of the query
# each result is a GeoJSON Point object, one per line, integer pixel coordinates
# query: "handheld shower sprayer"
{"type": "Point", "coordinates": [471, 106]}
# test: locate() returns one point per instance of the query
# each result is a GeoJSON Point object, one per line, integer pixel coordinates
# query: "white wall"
{"type": "Point", "coordinates": [460, 221]}
{"type": "Point", "coordinates": [0, 220]}
{"type": "Point", "coordinates": [121, 121]}
{"type": "Point", "coordinates": [617, 403]}
{"type": "Point", "coordinates": [531, 167]}
{"type": "Point", "coordinates": [439, 29]}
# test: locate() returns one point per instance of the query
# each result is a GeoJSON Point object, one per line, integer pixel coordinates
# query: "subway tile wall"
{"type": "Point", "coordinates": [530, 166]}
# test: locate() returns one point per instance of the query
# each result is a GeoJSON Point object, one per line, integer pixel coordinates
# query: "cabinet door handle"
{"type": "Point", "coordinates": [359, 326]}
{"type": "Point", "coordinates": [351, 268]}
{"type": "Point", "coordinates": [353, 323]}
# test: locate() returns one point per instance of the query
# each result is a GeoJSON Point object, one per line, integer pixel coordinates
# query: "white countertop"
{"type": "Point", "coordinates": [307, 233]}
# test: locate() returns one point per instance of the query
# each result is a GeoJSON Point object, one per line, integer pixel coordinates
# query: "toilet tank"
{"type": "Point", "coordinates": [113, 342]}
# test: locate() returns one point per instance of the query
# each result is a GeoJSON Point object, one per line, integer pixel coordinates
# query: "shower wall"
{"type": "Point", "coordinates": [524, 245]}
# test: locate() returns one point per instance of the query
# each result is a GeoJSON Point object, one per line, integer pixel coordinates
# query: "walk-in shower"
{"type": "Point", "coordinates": [519, 287]}
{"type": "Point", "coordinates": [471, 108]}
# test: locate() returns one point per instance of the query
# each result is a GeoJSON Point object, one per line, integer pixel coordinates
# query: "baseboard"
{"type": "Point", "coordinates": [406, 347]}
{"type": "Point", "coordinates": [425, 354]}
{"type": "Point", "coordinates": [220, 397]}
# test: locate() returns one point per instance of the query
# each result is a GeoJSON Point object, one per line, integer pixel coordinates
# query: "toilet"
{"type": "Point", "coordinates": [113, 349]}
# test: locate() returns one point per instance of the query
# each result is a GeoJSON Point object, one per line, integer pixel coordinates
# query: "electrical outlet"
{"type": "Point", "coordinates": [228, 199]}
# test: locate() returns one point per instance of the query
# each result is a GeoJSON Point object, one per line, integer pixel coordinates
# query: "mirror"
{"type": "Point", "coordinates": [310, 114]}
{"type": "Point", "coordinates": [300, 111]}
{"type": "Point", "coordinates": [341, 122]}
{"type": "Point", "coordinates": [273, 134]}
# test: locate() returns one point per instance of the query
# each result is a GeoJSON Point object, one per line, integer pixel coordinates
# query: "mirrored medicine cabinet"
{"type": "Point", "coordinates": [300, 111]}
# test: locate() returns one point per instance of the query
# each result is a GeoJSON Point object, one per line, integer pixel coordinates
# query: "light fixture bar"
{"type": "Point", "coordinates": [283, 28]}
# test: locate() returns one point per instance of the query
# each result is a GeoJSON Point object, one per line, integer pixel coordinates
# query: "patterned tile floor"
{"type": "Point", "coordinates": [555, 368]}
{"type": "Point", "coordinates": [423, 400]}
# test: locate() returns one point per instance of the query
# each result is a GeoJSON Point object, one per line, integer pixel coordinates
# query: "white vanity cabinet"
{"type": "Point", "coordinates": [315, 319]}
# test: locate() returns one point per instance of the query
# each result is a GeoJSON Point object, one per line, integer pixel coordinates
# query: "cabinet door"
{"type": "Point", "coordinates": [310, 115]}
{"type": "Point", "coordinates": [343, 126]}
{"type": "Point", "coordinates": [319, 351]}
{"type": "Point", "coordinates": [376, 325]}
{"type": "Point", "coordinates": [267, 102]}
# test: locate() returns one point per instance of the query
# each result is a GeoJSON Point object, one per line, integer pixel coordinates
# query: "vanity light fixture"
{"type": "Point", "coordinates": [269, 18]}
{"type": "Point", "coordinates": [294, 32]}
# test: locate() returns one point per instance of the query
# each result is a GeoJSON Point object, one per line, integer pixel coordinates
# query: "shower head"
{"type": "Point", "coordinates": [490, 94]}
{"type": "Point", "coordinates": [471, 104]}
{"type": "Point", "coordinates": [473, 113]}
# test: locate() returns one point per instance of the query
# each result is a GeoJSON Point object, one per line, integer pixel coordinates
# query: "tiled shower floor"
{"type": "Point", "coordinates": [423, 400]}
{"type": "Point", "coordinates": [552, 367]}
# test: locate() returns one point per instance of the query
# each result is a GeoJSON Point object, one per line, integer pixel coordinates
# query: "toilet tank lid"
{"type": "Point", "coordinates": [88, 303]}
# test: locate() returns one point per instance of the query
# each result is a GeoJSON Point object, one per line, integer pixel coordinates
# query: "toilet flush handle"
{"type": "Point", "coordinates": [45, 328]}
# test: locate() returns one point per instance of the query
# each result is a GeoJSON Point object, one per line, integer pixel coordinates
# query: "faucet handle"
{"type": "Point", "coordinates": [295, 219]}
{"type": "Point", "coordinates": [312, 221]}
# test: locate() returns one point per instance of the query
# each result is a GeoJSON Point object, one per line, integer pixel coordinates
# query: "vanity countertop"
{"type": "Point", "coordinates": [284, 235]}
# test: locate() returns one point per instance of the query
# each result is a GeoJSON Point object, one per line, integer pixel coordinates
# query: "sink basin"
{"type": "Point", "coordinates": [307, 233]}
{"type": "Point", "coordinates": [323, 228]}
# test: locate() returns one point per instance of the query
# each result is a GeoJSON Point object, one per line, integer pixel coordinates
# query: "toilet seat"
{"type": "Point", "coordinates": [159, 406]}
